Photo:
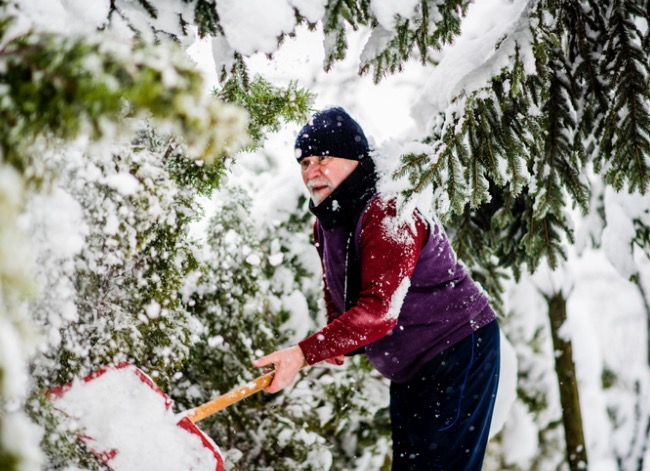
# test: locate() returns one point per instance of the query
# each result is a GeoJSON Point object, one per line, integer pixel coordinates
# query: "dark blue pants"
{"type": "Point", "coordinates": [440, 419]}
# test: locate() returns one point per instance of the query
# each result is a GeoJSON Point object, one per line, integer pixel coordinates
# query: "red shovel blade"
{"type": "Point", "coordinates": [129, 425]}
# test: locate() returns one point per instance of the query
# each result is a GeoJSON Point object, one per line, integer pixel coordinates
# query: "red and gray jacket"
{"type": "Point", "coordinates": [415, 299]}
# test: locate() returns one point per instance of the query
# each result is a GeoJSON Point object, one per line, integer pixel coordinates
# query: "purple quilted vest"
{"type": "Point", "coordinates": [443, 304]}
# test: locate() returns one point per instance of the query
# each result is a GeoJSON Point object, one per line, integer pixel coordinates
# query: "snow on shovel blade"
{"type": "Point", "coordinates": [128, 423]}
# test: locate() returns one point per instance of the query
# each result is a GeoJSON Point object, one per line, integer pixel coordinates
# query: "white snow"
{"type": "Point", "coordinates": [507, 391]}
{"type": "Point", "coordinates": [95, 16]}
{"type": "Point", "coordinates": [119, 411]}
{"type": "Point", "coordinates": [621, 209]}
{"type": "Point", "coordinates": [248, 30]}
{"type": "Point", "coordinates": [12, 358]}
{"type": "Point", "coordinates": [469, 63]}
{"type": "Point", "coordinates": [522, 434]}
{"type": "Point", "coordinates": [607, 322]}
{"type": "Point", "coordinates": [386, 11]}
{"type": "Point", "coordinates": [58, 219]}
{"type": "Point", "coordinates": [312, 10]}
{"type": "Point", "coordinates": [398, 298]}
{"type": "Point", "coordinates": [298, 321]}
{"type": "Point", "coordinates": [152, 309]}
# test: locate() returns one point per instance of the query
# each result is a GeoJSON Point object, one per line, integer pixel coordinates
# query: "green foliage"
{"type": "Point", "coordinates": [8, 460]}
{"type": "Point", "coordinates": [337, 14]}
{"type": "Point", "coordinates": [268, 106]}
{"type": "Point", "coordinates": [609, 378]}
{"type": "Point", "coordinates": [625, 67]}
{"type": "Point", "coordinates": [58, 87]}
{"type": "Point", "coordinates": [60, 437]}
{"type": "Point", "coordinates": [239, 319]}
{"type": "Point", "coordinates": [126, 279]}
{"type": "Point", "coordinates": [478, 228]}
{"type": "Point", "coordinates": [418, 36]}
{"type": "Point", "coordinates": [358, 422]}
{"type": "Point", "coordinates": [516, 153]}
{"type": "Point", "coordinates": [189, 174]}
{"type": "Point", "coordinates": [206, 18]}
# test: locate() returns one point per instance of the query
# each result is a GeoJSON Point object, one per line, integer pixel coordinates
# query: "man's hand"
{"type": "Point", "coordinates": [339, 360]}
{"type": "Point", "coordinates": [287, 363]}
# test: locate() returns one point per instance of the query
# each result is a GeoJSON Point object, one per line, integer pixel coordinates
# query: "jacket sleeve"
{"type": "Point", "coordinates": [388, 254]}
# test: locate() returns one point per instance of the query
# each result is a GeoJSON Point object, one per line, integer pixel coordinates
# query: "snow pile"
{"type": "Point", "coordinates": [119, 411]}
{"type": "Point", "coordinates": [489, 35]}
{"type": "Point", "coordinates": [507, 391]}
{"type": "Point", "coordinates": [248, 31]}
{"type": "Point", "coordinates": [623, 212]}
{"type": "Point", "coordinates": [387, 11]}
{"type": "Point", "coordinates": [86, 17]}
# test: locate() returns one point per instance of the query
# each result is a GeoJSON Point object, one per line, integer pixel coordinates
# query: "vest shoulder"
{"type": "Point", "coordinates": [383, 206]}
{"type": "Point", "coordinates": [380, 204]}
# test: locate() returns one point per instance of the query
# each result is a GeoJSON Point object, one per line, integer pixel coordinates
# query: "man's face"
{"type": "Point", "coordinates": [322, 175]}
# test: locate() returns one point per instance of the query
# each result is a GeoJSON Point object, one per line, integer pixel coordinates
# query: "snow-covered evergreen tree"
{"type": "Point", "coordinates": [514, 116]}
{"type": "Point", "coordinates": [547, 114]}
{"type": "Point", "coordinates": [57, 88]}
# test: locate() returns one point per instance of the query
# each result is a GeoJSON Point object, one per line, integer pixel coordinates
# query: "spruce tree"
{"type": "Point", "coordinates": [55, 89]}
{"type": "Point", "coordinates": [126, 282]}
{"type": "Point", "coordinates": [507, 160]}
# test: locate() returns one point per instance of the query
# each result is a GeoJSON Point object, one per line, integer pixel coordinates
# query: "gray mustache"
{"type": "Point", "coordinates": [317, 182]}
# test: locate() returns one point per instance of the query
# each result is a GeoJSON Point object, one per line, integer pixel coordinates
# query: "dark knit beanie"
{"type": "Point", "coordinates": [332, 132]}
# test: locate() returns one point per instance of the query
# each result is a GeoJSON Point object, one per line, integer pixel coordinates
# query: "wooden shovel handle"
{"type": "Point", "coordinates": [228, 399]}
{"type": "Point", "coordinates": [231, 397]}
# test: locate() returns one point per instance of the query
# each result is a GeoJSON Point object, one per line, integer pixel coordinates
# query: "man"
{"type": "Point", "coordinates": [394, 288]}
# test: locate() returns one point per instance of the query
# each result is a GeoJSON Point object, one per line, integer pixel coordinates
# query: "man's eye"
{"type": "Point", "coordinates": [304, 164]}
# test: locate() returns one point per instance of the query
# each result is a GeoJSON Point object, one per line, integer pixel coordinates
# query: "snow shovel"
{"type": "Point", "coordinates": [129, 425]}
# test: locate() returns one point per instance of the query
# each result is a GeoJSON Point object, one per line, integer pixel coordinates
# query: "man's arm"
{"type": "Point", "coordinates": [388, 253]}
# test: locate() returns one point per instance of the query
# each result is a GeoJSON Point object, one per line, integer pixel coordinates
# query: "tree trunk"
{"type": "Point", "coordinates": [636, 279]}
{"type": "Point", "coordinates": [566, 375]}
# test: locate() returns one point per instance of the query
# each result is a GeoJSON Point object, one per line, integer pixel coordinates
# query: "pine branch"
{"type": "Point", "coordinates": [417, 34]}
{"type": "Point", "coordinates": [337, 14]}
{"type": "Point", "coordinates": [149, 8]}
{"type": "Point", "coordinates": [207, 19]}
{"type": "Point", "coordinates": [561, 130]}
{"type": "Point", "coordinates": [442, 172]}
{"type": "Point", "coordinates": [586, 29]}
{"type": "Point", "coordinates": [268, 106]}
{"type": "Point", "coordinates": [626, 140]}
{"type": "Point", "coordinates": [456, 187]}
{"type": "Point", "coordinates": [482, 147]}
{"type": "Point", "coordinates": [474, 242]}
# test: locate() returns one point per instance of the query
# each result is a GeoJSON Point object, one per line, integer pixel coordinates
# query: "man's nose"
{"type": "Point", "coordinates": [313, 170]}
